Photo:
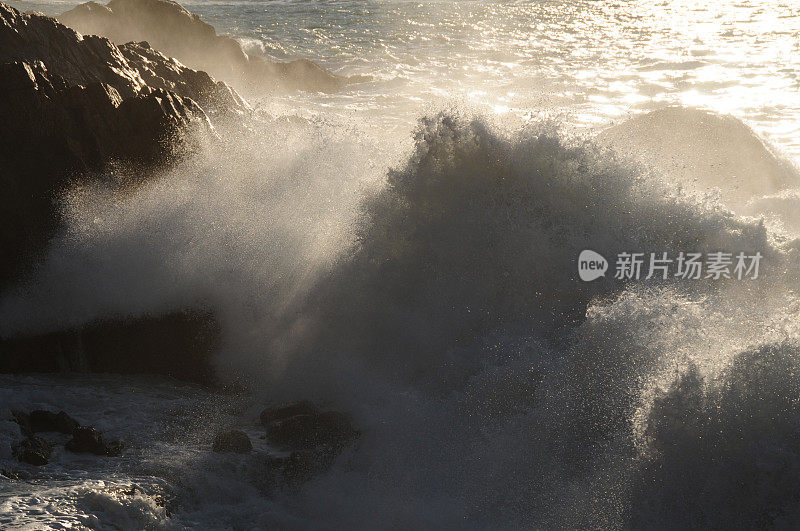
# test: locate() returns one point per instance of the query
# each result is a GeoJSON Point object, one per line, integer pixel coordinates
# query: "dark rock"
{"type": "Point", "coordinates": [52, 132]}
{"type": "Point", "coordinates": [87, 440]}
{"type": "Point", "coordinates": [48, 421]}
{"type": "Point", "coordinates": [78, 108]}
{"type": "Point", "coordinates": [302, 465]}
{"type": "Point", "coordinates": [180, 345]}
{"type": "Point", "coordinates": [34, 451]}
{"type": "Point", "coordinates": [234, 441]}
{"type": "Point", "coordinates": [172, 29]}
{"type": "Point", "coordinates": [89, 59]}
{"type": "Point", "coordinates": [286, 410]}
{"type": "Point", "coordinates": [24, 421]}
{"type": "Point", "coordinates": [309, 430]}
{"type": "Point", "coordinates": [158, 71]}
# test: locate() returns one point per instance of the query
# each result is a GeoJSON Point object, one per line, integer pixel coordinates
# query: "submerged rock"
{"type": "Point", "coordinates": [298, 467]}
{"type": "Point", "coordinates": [169, 27]}
{"type": "Point", "coordinates": [34, 450]}
{"type": "Point", "coordinates": [87, 440]}
{"type": "Point", "coordinates": [233, 441]}
{"type": "Point", "coordinates": [44, 421]}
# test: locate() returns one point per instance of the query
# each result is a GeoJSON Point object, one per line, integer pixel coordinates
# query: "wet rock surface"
{"type": "Point", "coordinates": [44, 421]}
{"type": "Point", "coordinates": [34, 451]}
{"type": "Point", "coordinates": [169, 27]}
{"type": "Point", "coordinates": [314, 438]}
{"type": "Point", "coordinates": [75, 107]}
{"type": "Point", "coordinates": [132, 69]}
{"type": "Point", "coordinates": [310, 430]}
{"type": "Point", "coordinates": [88, 440]}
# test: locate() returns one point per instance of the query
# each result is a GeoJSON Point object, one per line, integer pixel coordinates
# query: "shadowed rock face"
{"type": "Point", "coordinates": [158, 71]}
{"type": "Point", "coordinates": [34, 451]}
{"type": "Point", "coordinates": [180, 345]}
{"type": "Point", "coordinates": [132, 70]}
{"type": "Point", "coordinates": [73, 109]}
{"type": "Point", "coordinates": [175, 31]}
{"type": "Point", "coordinates": [703, 151]}
{"type": "Point", "coordinates": [53, 131]}
{"type": "Point", "coordinates": [74, 105]}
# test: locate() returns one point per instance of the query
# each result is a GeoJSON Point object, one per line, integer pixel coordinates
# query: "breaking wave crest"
{"type": "Point", "coordinates": [442, 306]}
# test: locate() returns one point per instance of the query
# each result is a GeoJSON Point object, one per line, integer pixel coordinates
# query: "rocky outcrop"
{"type": "Point", "coordinates": [703, 151]}
{"type": "Point", "coordinates": [44, 421]}
{"type": "Point", "coordinates": [53, 131]}
{"type": "Point", "coordinates": [158, 71]}
{"type": "Point", "coordinates": [78, 108]}
{"type": "Point", "coordinates": [34, 451]}
{"type": "Point", "coordinates": [132, 70]}
{"type": "Point", "coordinates": [180, 345]}
{"type": "Point", "coordinates": [87, 440]}
{"type": "Point", "coordinates": [74, 106]}
{"type": "Point", "coordinates": [177, 32]}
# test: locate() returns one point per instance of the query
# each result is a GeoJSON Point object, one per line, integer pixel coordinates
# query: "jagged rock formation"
{"type": "Point", "coordinates": [702, 151]}
{"type": "Point", "coordinates": [132, 70]}
{"type": "Point", "coordinates": [172, 29]}
{"type": "Point", "coordinates": [76, 108]}
{"type": "Point", "coordinates": [158, 71]}
{"type": "Point", "coordinates": [53, 131]}
{"type": "Point", "coordinates": [74, 105]}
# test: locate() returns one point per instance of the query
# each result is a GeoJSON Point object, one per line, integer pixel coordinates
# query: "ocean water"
{"type": "Point", "coordinates": [407, 254]}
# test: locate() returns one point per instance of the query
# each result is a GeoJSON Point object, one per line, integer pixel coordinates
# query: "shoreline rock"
{"type": "Point", "coordinates": [87, 440]}
{"type": "Point", "coordinates": [132, 69]}
{"type": "Point", "coordinates": [171, 28]}
{"type": "Point", "coordinates": [179, 345]}
{"type": "Point", "coordinates": [78, 108]}
{"type": "Point", "coordinates": [34, 451]}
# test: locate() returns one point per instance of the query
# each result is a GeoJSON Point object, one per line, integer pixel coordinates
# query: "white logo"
{"type": "Point", "coordinates": [591, 265]}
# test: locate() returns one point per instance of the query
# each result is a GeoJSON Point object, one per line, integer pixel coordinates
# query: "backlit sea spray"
{"type": "Point", "coordinates": [408, 250]}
